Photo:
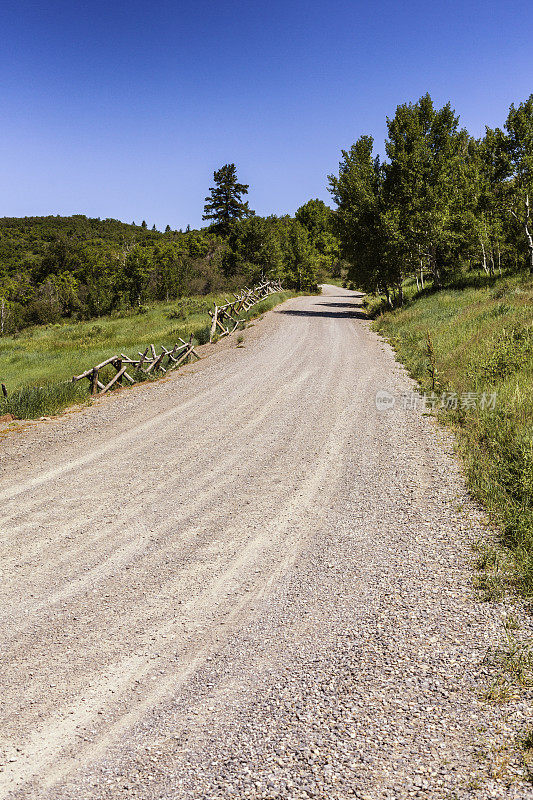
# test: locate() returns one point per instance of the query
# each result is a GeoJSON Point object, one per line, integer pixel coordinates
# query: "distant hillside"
{"type": "Point", "coordinates": [78, 267]}
{"type": "Point", "coordinates": [24, 241]}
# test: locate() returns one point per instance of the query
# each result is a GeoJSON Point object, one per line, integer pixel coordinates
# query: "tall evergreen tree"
{"type": "Point", "coordinates": [224, 205]}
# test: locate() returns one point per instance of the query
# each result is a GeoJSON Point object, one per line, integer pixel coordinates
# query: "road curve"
{"type": "Point", "coordinates": [245, 580]}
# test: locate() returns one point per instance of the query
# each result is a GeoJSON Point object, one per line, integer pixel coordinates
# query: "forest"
{"type": "Point", "coordinates": [79, 268]}
{"type": "Point", "coordinates": [441, 205]}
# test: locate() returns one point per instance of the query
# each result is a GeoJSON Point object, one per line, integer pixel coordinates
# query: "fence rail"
{"type": "Point", "coordinates": [149, 361]}
{"type": "Point", "coordinates": [224, 320]}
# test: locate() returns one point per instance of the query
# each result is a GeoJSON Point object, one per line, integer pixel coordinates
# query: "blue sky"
{"type": "Point", "coordinates": [124, 109]}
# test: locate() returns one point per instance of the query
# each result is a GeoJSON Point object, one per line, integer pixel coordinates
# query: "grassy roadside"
{"type": "Point", "coordinates": [37, 364]}
{"type": "Point", "coordinates": [474, 342]}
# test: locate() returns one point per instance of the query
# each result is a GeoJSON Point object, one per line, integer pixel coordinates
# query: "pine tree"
{"type": "Point", "coordinates": [225, 205]}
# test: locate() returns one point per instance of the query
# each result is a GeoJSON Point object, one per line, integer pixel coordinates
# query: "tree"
{"type": "Point", "coordinates": [143, 224]}
{"type": "Point", "coordinates": [484, 210]}
{"type": "Point", "coordinates": [253, 249]}
{"type": "Point", "coordinates": [169, 271]}
{"type": "Point", "coordinates": [519, 146]}
{"type": "Point", "coordinates": [137, 271]}
{"type": "Point", "coordinates": [366, 235]}
{"type": "Point", "coordinates": [425, 179]}
{"type": "Point", "coordinates": [300, 259]}
{"type": "Point", "coordinates": [316, 216]}
{"type": "Point", "coordinates": [319, 220]}
{"type": "Point", "coordinates": [224, 205]}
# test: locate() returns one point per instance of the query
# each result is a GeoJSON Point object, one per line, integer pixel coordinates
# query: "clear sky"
{"type": "Point", "coordinates": [124, 108]}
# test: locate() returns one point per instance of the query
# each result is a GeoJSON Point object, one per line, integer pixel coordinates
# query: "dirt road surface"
{"type": "Point", "coordinates": [246, 580]}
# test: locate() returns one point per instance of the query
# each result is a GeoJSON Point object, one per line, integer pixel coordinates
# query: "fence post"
{"type": "Point", "coordinates": [94, 381]}
{"type": "Point", "coordinates": [213, 324]}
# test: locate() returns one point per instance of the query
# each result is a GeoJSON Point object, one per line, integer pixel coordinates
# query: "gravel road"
{"type": "Point", "coordinates": [246, 581]}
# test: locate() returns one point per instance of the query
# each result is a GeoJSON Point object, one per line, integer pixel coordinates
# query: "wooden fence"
{"type": "Point", "coordinates": [148, 362]}
{"type": "Point", "coordinates": [224, 321]}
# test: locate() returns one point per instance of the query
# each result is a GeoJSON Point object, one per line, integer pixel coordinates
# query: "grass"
{"type": "Point", "coordinates": [513, 664]}
{"type": "Point", "coordinates": [477, 341]}
{"type": "Point", "coordinates": [37, 364]}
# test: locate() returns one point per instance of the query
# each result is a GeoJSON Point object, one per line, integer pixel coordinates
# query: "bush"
{"type": "Point", "coordinates": [42, 312]}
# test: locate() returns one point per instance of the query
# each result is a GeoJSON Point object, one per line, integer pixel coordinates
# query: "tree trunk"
{"type": "Point", "coordinates": [529, 236]}
{"type": "Point", "coordinates": [530, 245]}
{"type": "Point", "coordinates": [435, 270]}
{"type": "Point", "coordinates": [527, 231]}
{"type": "Point", "coordinates": [400, 294]}
{"type": "Point", "coordinates": [484, 255]}
{"type": "Point", "coordinates": [491, 262]}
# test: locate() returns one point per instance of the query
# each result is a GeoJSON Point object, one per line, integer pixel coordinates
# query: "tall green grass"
{"type": "Point", "coordinates": [37, 365]}
{"type": "Point", "coordinates": [41, 401]}
{"type": "Point", "coordinates": [482, 341]}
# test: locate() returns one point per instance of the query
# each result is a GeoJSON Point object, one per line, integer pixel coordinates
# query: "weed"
{"type": "Point", "coordinates": [526, 740]}
{"type": "Point", "coordinates": [432, 362]}
{"type": "Point", "coordinates": [514, 665]}
{"type": "Point", "coordinates": [511, 623]}
{"type": "Point", "coordinates": [510, 353]}
{"type": "Point", "coordinates": [525, 743]}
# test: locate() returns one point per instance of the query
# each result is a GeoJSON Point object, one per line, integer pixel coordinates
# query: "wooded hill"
{"type": "Point", "coordinates": [78, 267]}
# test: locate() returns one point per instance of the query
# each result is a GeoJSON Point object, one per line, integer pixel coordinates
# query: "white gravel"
{"type": "Point", "coordinates": [245, 581]}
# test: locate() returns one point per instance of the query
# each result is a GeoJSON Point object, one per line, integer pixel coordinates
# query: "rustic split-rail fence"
{"type": "Point", "coordinates": [225, 320]}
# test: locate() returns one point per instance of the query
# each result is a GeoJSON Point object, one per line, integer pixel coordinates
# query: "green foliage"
{"type": "Point", "coordinates": [56, 267]}
{"type": "Point", "coordinates": [318, 219]}
{"type": "Point", "coordinates": [519, 149]}
{"type": "Point", "coordinates": [301, 261]}
{"type": "Point", "coordinates": [443, 205]}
